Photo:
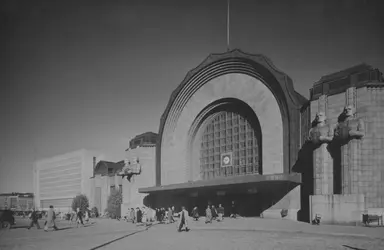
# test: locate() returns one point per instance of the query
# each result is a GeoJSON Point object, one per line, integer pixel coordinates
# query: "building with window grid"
{"type": "Point", "coordinates": [59, 179]}
{"type": "Point", "coordinates": [235, 130]}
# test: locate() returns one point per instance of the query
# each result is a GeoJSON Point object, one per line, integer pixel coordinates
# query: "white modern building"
{"type": "Point", "coordinates": [59, 179]}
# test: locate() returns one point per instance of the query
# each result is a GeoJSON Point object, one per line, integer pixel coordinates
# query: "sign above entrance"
{"type": "Point", "coordinates": [226, 159]}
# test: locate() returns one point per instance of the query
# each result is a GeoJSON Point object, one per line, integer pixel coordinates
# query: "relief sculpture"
{"type": "Point", "coordinates": [130, 169]}
{"type": "Point", "coordinates": [348, 134]}
{"type": "Point", "coordinates": [321, 132]}
{"type": "Point", "coordinates": [348, 127]}
{"type": "Point", "coordinates": [320, 136]}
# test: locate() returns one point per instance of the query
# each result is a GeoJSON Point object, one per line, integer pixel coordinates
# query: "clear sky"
{"type": "Point", "coordinates": [93, 74]}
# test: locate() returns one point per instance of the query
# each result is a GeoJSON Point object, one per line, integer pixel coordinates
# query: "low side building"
{"type": "Point", "coordinates": [57, 180]}
{"type": "Point", "coordinates": [16, 201]}
{"type": "Point", "coordinates": [105, 180]}
{"type": "Point", "coordinates": [141, 155]}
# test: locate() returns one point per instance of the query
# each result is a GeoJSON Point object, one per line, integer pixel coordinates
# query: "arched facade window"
{"type": "Point", "coordinates": [233, 133]}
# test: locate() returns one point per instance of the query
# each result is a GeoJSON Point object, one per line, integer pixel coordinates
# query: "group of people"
{"type": "Point", "coordinates": [139, 215]}
{"type": "Point", "coordinates": [165, 215]}
{"type": "Point", "coordinates": [49, 222]}
{"type": "Point", "coordinates": [51, 217]}
{"type": "Point", "coordinates": [79, 216]}
{"type": "Point", "coordinates": [146, 215]}
{"type": "Point", "coordinates": [211, 213]}
{"type": "Point", "coordinates": [214, 213]}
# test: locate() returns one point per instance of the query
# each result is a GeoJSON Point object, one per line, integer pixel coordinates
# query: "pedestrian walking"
{"type": "Point", "coordinates": [51, 216]}
{"type": "Point", "coordinates": [79, 219]}
{"type": "Point", "coordinates": [170, 215]}
{"type": "Point", "coordinates": [184, 219]}
{"type": "Point", "coordinates": [34, 219]}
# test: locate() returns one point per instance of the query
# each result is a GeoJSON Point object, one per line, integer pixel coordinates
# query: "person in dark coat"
{"type": "Point", "coordinates": [214, 212]}
{"type": "Point", "coordinates": [195, 213]}
{"type": "Point", "coordinates": [132, 216]}
{"type": "Point", "coordinates": [233, 210]}
{"type": "Point", "coordinates": [34, 219]}
{"type": "Point", "coordinates": [139, 215]}
{"type": "Point", "coordinates": [79, 219]}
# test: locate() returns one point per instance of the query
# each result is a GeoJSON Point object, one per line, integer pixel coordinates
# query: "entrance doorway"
{"type": "Point", "coordinates": [249, 205]}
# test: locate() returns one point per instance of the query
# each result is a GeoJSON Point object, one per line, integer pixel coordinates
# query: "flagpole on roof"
{"type": "Point", "coordinates": [228, 48]}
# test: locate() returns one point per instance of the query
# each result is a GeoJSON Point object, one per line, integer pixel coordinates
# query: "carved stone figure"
{"type": "Point", "coordinates": [349, 127]}
{"type": "Point", "coordinates": [348, 133]}
{"type": "Point", "coordinates": [321, 132]}
{"type": "Point", "coordinates": [130, 169]}
{"type": "Point", "coordinates": [320, 135]}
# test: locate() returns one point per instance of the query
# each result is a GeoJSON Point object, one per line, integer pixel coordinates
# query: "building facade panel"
{"type": "Point", "coordinates": [59, 179]}
{"type": "Point", "coordinates": [359, 162]}
{"type": "Point", "coordinates": [130, 189]}
{"type": "Point", "coordinates": [239, 86]}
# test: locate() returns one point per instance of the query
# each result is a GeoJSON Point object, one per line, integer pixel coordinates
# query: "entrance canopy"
{"type": "Point", "coordinates": [225, 183]}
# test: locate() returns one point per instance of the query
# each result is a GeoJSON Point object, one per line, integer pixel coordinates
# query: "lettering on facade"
{"type": "Point", "coordinates": [275, 177]}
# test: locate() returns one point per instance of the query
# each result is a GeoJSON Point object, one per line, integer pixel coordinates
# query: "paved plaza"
{"type": "Point", "coordinates": [240, 233]}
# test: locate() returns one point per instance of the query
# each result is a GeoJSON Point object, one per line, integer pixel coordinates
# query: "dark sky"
{"type": "Point", "coordinates": [93, 74]}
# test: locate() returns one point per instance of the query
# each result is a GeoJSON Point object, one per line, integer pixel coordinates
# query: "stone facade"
{"type": "Point", "coordinates": [131, 195]}
{"type": "Point", "coordinates": [101, 189]}
{"type": "Point", "coordinates": [358, 165]}
{"type": "Point", "coordinates": [232, 78]}
{"type": "Point", "coordinates": [349, 179]}
{"type": "Point", "coordinates": [239, 86]}
{"type": "Point", "coordinates": [251, 79]}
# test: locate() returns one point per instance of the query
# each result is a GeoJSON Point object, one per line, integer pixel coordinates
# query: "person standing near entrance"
{"type": "Point", "coordinates": [233, 210]}
{"type": "Point", "coordinates": [220, 213]}
{"type": "Point", "coordinates": [208, 215]}
{"type": "Point", "coordinates": [184, 218]}
{"type": "Point", "coordinates": [195, 213]}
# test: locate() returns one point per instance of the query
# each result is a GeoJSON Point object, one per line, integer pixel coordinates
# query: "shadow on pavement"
{"type": "Point", "coordinates": [17, 227]}
{"type": "Point", "coordinates": [354, 248]}
{"type": "Point", "coordinates": [64, 228]}
{"type": "Point", "coordinates": [125, 236]}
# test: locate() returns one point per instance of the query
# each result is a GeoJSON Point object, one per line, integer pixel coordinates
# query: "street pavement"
{"type": "Point", "coordinates": [242, 233]}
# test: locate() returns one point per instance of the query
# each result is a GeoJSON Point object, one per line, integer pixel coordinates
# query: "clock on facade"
{"type": "Point", "coordinates": [226, 159]}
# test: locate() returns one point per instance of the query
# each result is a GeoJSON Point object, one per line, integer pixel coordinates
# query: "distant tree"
{"type": "Point", "coordinates": [114, 202]}
{"type": "Point", "coordinates": [80, 201]}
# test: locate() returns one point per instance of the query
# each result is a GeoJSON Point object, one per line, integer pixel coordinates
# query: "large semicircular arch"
{"type": "Point", "coordinates": [236, 61]}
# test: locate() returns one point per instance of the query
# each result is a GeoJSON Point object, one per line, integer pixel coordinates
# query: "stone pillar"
{"type": "Point", "coordinates": [323, 171]}
{"type": "Point", "coordinates": [350, 153]}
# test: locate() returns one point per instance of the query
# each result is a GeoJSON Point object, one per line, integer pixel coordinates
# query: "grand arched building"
{"type": "Point", "coordinates": [235, 130]}
{"type": "Point", "coordinates": [231, 131]}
